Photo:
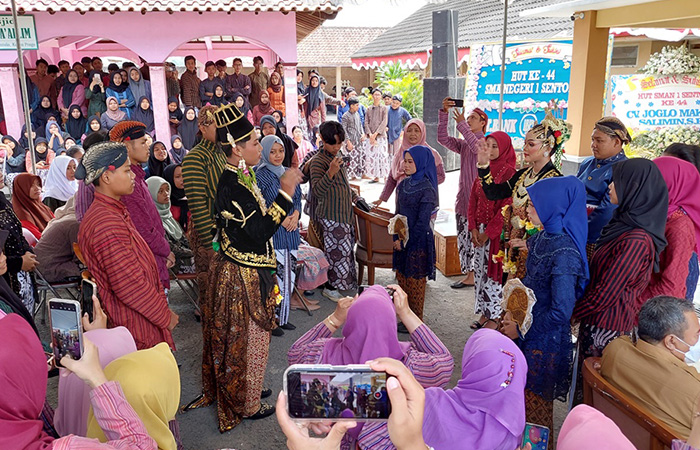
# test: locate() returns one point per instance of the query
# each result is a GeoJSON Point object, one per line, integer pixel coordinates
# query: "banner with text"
{"type": "Point", "coordinates": [536, 77]}
{"type": "Point", "coordinates": [648, 102]}
{"type": "Point", "coordinates": [27, 33]}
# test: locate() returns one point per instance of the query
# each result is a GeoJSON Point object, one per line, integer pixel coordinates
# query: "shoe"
{"type": "Point", "coordinates": [309, 293]}
{"type": "Point", "coordinates": [199, 402]}
{"type": "Point", "coordinates": [288, 326]}
{"type": "Point", "coordinates": [401, 328]}
{"type": "Point", "coordinates": [265, 393]}
{"type": "Point", "coordinates": [332, 294]}
{"type": "Point", "coordinates": [460, 285]}
{"type": "Point", "coordinates": [277, 332]}
{"type": "Point", "coordinates": [264, 411]}
{"type": "Point", "coordinates": [300, 307]}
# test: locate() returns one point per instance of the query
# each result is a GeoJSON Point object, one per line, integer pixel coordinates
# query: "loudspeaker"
{"type": "Point", "coordinates": [434, 90]}
{"type": "Point", "coordinates": [445, 40]}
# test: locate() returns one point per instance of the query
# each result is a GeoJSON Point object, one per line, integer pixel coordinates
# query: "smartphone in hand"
{"type": "Point", "coordinates": [459, 103]}
{"type": "Point", "coordinates": [66, 329]}
{"type": "Point", "coordinates": [87, 290]}
{"type": "Point", "coordinates": [320, 392]}
{"type": "Point", "coordinates": [536, 435]}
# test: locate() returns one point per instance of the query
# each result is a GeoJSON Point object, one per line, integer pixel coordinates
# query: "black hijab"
{"type": "Point", "coordinates": [41, 116]}
{"type": "Point", "coordinates": [23, 140]}
{"type": "Point", "coordinates": [121, 88]}
{"type": "Point", "coordinates": [314, 96]}
{"type": "Point", "coordinates": [188, 130]}
{"type": "Point", "coordinates": [76, 127]}
{"type": "Point", "coordinates": [88, 130]}
{"type": "Point", "coordinates": [7, 295]}
{"type": "Point", "coordinates": [144, 116]}
{"type": "Point", "coordinates": [18, 148]}
{"type": "Point", "coordinates": [177, 195]}
{"type": "Point", "coordinates": [290, 147]}
{"type": "Point", "coordinates": [642, 203]}
{"type": "Point", "coordinates": [245, 108]}
{"type": "Point", "coordinates": [41, 156]}
{"type": "Point", "coordinates": [69, 88]}
{"type": "Point", "coordinates": [156, 167]}
{"type": "Point", "coordinates": [177, 114]}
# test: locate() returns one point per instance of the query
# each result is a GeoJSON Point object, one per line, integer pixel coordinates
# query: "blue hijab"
{"type": "Point", "coordinates": [267, 143]}
{"type": "Point", "coordinates": [425, 165]}
{"type": "Point", "coordinates": [561, 205]}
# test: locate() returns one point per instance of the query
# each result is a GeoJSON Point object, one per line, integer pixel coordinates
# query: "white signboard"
{"type": "Point", "coordinates": [648, 102]}
{"type": "Point", "coordinates": [27, 33]}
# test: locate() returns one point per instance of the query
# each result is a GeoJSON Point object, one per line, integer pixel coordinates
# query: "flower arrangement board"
{"type": "Point", "coordinates": [536, 78]}
{"type": "Point", "coordinates": [647, 102]}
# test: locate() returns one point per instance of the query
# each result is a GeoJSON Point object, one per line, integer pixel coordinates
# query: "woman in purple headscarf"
{"type": "Point", "coordinates": [370, 333]}
{"type": "Point", "coordinates": [486, 410]}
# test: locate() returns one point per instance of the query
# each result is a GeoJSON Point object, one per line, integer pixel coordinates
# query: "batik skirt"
{"type": "Point", "coordinates": [377, 162]}
{"type": "Point", "coordinates": [339, 245]}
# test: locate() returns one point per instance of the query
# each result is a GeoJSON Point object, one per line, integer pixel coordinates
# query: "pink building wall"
{"type": "Point", "coordinates": [154, 36]}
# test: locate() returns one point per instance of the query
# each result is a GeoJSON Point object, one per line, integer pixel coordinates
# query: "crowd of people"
{"type": "Point", "coordinates": [612, 251]}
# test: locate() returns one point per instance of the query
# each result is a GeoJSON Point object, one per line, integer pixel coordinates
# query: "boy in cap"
{"type": "Point", "coordinates": [116, 254]}
{"type": "Point", "coordinates": [397, 117]}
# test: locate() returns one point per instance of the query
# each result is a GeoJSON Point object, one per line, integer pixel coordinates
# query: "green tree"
{"type": "Point", "coordinates": [397, 80]}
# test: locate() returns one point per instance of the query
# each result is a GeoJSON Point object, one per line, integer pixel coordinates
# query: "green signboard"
{"type": "Point", "coordinates": [27, 33]}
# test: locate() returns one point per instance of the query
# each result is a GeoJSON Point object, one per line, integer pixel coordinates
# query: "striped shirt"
{"type": "Point", "coordinates": [467, 150]}
{"type": "Point", "coordinates": [118, 420]}
{"type": "Point", "coordinates": [125, 271]}
{"type": "Point", "coordinates": [201, 170]}
{"type": "Point", "coordinates": [333, 195]}
{"type": "Point", "coordinates": [620, 271]}
{"type": "Point", "coordinates": [428, 359]}
{"type": "Point", "coordinates": [269, 185]}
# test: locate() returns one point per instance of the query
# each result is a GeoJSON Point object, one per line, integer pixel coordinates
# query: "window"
{"type": "Point", "coordinates": [625, 56]}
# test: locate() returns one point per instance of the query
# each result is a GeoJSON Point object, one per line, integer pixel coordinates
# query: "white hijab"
{"type": "Point", "coordinates": [57, 185]}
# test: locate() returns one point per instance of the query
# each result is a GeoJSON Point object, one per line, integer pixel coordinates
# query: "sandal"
{"type": "Point", "coordinates": [265, 393]}
{"type": "Point", "coordinates": [476, 325]}
{"type": "Point", "coordinates": [264, 411]}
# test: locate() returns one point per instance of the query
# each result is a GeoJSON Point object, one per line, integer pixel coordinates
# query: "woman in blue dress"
{"type": "Point", "coordinates": [416, 198]}
{"type": "Point", "coordinates": [557, 272]}
{"type": "Point", "coordinates": [286, 239]}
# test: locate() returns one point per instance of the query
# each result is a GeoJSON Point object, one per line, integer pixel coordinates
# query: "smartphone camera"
{"type": "Point", "coordinates": [337, 392]}
{"type": "Point", "coordinates": [361, 288]}
{"type": "Point", "coordinates": [87, 290]}
{"type": "Point", "coordinates": [459, 103]}
{"type": "Point", "coordinates": [66, 330]}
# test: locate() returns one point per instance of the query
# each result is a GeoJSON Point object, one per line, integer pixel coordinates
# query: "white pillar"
{"type": "Point", "coordinates": [11, 100]}
{"type": "Point", "coordinates": [338, 83]}
{"type": "Point", "coordinates": [290, 95]}
{"type": "Point", "coordinates": [160, 103]}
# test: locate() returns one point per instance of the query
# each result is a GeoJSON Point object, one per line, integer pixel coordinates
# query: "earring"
{"type": "Point", "coordinates": [546, 153]}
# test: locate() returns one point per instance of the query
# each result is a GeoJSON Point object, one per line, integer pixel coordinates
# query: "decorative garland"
{"type": "Point", "coordinates": [672, 61]}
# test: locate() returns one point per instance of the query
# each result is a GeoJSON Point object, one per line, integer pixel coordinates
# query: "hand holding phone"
{"type": "Point", "coordinates": [457, 103]}
{"type": "Point", "coordinates": [88, 289]}
{"type": "Point", "coordinates": [66, 329]}
{"type": "Point", "coordinates": [341, 393]}
{"type": "Point", "coordinates": [536, 435]}
{"type": "Point", "coordinates": [88, 367]}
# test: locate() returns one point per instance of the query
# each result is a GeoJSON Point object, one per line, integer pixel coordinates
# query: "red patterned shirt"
{"type": "Point", "coordinates": [125, 271]}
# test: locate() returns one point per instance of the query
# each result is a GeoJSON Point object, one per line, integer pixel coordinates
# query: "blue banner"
{"type": "Point", "coordinates": [536, 78]}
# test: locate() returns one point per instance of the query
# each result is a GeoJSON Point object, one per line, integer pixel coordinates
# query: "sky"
{"type": "Point", "coordinates": [374, 13]}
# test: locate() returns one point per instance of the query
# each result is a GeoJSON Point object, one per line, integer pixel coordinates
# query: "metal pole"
{"type": "Point", "coordinates": [503, 63]}
{"type": "Point", "coordinates": [23, 86]}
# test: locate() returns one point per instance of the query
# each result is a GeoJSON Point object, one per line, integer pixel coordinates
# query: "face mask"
{"type": "Point", "coordinates": [692, 356]}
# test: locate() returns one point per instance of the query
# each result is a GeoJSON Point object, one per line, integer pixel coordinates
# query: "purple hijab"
{"type": "Point", "coordinates": [71, 416]}
{"type": "Point", "coordinates": [487, 407]}
{"type": "Point", "coordinates": [369, 332]}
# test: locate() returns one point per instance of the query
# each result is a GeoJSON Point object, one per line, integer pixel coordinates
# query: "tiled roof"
{"type": "Point", "coordinates": [328, 6]}
{"type": "Point", "coordinates": [332, 46]}
{"type": "Point", "coordinates": [479, 21]}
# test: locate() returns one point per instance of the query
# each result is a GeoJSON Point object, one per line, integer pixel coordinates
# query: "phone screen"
{"type": "Point", "coordinates": [346, 394]}
{"type": "Point", "coordinates": [87, 290]}
{"type": "Point", "coordinates": [66, 332]}
{"type": "Point", "coordinates": [536, 435]}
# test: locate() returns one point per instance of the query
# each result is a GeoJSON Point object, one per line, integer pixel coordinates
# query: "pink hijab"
{"type": "Point", "coordinates": [23, 378]}
{"type": "Point", "coordinates": [682, 179]}
{"type": "Point", "coordinates": [369, 332]}
{"type": "Point", "coordinates": [71, 416]}
{"type": "Point", "coordinates": [583, 423]}
{"type": "Point", "coordinates": [397, 172]}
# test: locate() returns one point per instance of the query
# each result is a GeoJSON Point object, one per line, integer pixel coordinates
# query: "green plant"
{"type": "Point", "coordinates": [397, 80]}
